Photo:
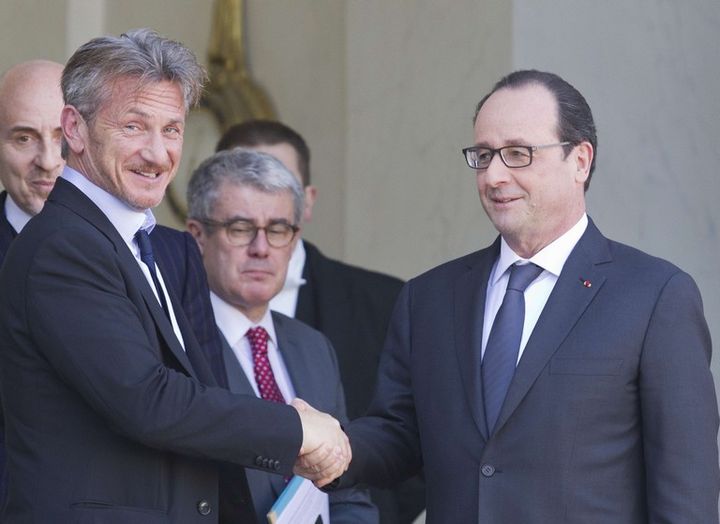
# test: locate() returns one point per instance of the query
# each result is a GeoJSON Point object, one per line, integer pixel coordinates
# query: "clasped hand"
{"type": "Point", "coordinates": [325, 453]}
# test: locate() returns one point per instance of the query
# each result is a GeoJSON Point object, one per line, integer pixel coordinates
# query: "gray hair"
{"type": "Point", "coordinates": [89, 75]}
{"type": "Point", "coordinates": [241, 167]}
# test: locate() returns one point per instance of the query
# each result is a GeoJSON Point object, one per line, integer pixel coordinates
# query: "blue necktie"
{"type": "Point", "coordinates": [498, 364]}
{"type": "Point", "coordinates": [146, 255]}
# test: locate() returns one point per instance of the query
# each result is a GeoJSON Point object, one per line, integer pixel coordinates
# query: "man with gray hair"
{"type": "Point", "coordinates": [245, 212]}
{"type": "Point", "coordinates": [112, 414]}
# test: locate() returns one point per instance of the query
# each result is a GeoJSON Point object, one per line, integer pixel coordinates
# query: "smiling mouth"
{"type": "Point", "coordinates": [146, 174]}
{"type": "Point", "coordinates": [503, 200]}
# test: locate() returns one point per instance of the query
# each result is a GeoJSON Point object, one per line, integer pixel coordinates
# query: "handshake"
{"type": "Point", "coordinates": [325, 452]}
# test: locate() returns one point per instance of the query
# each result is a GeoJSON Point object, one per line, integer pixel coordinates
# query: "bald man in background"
{"type": "Point", "coordinates": [30, 161]}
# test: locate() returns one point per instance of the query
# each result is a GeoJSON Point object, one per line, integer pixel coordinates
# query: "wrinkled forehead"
{"type": "Point", "coordinates": [245, 201]}
{"type": "Point", "coordinates": [527, 113]}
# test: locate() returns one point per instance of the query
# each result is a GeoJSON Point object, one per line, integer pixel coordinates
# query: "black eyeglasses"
{"type": "Point", "coordinates": [478, 157]}
{"type": "Point", "coordinates": [241, 232]}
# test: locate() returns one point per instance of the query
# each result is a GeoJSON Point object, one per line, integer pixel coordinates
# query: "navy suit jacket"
{"type": "Point", "coordinates": [7, 234]}
{"type": "Point", "coordinates": [107, 418]}
{"type": "Point", "coordinates": [610, 418]}
{"type": "Point", "coordinates": [181, 265]}
{"type": "Point", "coordinates": [312, 365]}
{"type": "Point", "coordinates": [352, 307]}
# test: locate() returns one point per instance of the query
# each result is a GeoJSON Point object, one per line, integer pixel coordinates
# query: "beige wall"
{"type": "Point", "coordinates": [24, 35]}
{"type": "Point", "coordinates": [415, 72]}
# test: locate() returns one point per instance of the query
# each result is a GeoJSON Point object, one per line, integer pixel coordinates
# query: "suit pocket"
{"type": "Point", "coordinates": [108, 513]}
{"type": "Point", "coordinates": [586, 366]}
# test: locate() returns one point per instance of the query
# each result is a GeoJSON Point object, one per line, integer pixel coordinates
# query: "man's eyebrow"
{"type": "Point", "coordinates": [143, 114]}
{"type": "Point", "coordinates": [24, 129]}
{"type": "Point", "coordinates": [505, 143]}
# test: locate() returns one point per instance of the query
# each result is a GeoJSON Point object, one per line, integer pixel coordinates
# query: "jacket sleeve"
{"type": "Point", "coordinates": [679, 410]}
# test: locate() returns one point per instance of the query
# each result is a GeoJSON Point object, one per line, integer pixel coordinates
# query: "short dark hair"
{"type": "Point", "coordinates": [253, 133]}
{"type": "Point", "coordinates": [575, 120]}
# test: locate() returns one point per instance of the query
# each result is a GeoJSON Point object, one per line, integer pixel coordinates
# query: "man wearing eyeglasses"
{"type": "Point", "coordinates": [555, 376]}
{"type": "Point", "coordinates": [245, 209]}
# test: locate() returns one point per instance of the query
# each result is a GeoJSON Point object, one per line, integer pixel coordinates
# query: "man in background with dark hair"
{"type": "Point", "coordinates": [348, 304]}
{"type": "Point", "coordinates": [555, 376]}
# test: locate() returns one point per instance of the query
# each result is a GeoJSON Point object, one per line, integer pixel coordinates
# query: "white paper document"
{"type": "Point", "coordinates": [300, 503]}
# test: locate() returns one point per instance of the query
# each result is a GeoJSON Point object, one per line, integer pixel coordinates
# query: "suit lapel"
{"type": "Point", "coordinates": [67, 195]}
{"type": "Point", "coordinates": [297, 365]}
{"type": "Point", "coordinates": [7, 233]}
{"type": "Point", "coordinates": [469, 310]}
{"type": "Point", "coordinates": [565, 306]}
{"type": "Point", "coordinates": [237, 381]}
{"type": "Point", "coordinates": [305, 309]}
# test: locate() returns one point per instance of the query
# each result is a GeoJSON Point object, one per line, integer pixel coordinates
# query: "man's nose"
{"type": "Point", "coordinates": [49, 158]}
{"type": "Point", "coordinates": [259, 247]}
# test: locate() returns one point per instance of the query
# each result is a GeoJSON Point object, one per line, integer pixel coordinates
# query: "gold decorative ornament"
{"type": "Point", "coordinates": [231, 97]}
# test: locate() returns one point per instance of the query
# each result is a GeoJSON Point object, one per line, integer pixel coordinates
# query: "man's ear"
{"type": "Point", "coordinates": [583, 160]}
{"type": "Point", "coordinates": [310, 195]}
{"type": "Point", "coordinates": [74, 129]}
{"type": "Point", "coordinates": [197, 231]}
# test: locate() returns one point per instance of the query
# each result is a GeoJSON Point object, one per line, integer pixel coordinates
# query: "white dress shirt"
{"type": "Point", "coordinates": [17, 217]}
{"type": "Point", "coordinates": [127, 221]}
{"type": "Point", "coordinates": [551, 258]}
{"type": "Point", "coordinates": [286, 301]}
{"type": "Point", "coordinates": [234, 326]}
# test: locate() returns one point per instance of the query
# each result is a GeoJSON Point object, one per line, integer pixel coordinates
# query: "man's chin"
{"type": "Point", "coordinates": [144, 202]}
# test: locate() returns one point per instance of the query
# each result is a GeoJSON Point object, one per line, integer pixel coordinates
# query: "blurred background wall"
{"type": "Point", "coordinates": [384, 92]}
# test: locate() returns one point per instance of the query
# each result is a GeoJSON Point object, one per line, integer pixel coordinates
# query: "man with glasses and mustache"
{"type": "Point", "coordinates": [245, 209]}
{"type": "Point", "coordinates": [556, 375]}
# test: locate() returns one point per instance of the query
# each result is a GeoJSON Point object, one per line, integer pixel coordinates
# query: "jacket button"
{"type": "Point", "coordinates": [259, 461]}
{"type": "Point", "coordinates": [487, 470]}
{"type": "Point", "coordinates": [204, 508]}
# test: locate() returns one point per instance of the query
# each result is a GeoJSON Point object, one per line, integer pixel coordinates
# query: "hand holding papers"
{"type": "Point", "coordinates": [325, 453]}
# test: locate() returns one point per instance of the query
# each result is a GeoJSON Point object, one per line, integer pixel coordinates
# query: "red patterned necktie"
{"type": "Point", "coordinates": [264, 377]}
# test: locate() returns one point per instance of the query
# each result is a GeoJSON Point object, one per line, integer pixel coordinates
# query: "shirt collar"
{"type": "Point", "coordinates": [234, 324]}
{"type": "Point", "coordinates": [17, 217]}
{"type": "Point", "coordinates": [295, 266]}
{"type": "Point", "coordinates": [125, 219]}
{"type": "Point", "coordinates": [551, 258]}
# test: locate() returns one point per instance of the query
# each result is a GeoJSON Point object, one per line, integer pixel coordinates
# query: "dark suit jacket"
{"type": "Point", "coordinates": [611, 416]}
{"type": "Point", "coordinates": [181, 265]}
{"type": "Point", "coordinates": [352, 307]}
{"type": "Point", "coordinates": [107, 418]}
{"type": "Point", "coordinates": [311, 363]}
{"type": "Point", "coordinates": [7, 234]}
